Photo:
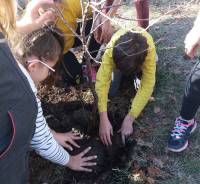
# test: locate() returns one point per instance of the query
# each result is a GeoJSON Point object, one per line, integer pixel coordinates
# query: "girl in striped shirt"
{"type": "Point", "coordinates": [37, 54]}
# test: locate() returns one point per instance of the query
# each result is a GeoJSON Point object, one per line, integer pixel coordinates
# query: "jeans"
{"type": "Point", "coordinates": [191, 98]}
{"type": "Point", "coordinates": [115, 83]}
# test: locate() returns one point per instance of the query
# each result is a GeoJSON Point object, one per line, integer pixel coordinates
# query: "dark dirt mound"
{"type": "Point", "coordinates": [70, 108]}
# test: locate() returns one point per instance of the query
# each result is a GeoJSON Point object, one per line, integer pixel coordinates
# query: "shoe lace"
{"type": "Point", "coordinates": [180, 127]}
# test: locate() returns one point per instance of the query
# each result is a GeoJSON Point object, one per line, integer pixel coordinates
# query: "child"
{"type": "Point", "coordinates": [18, 105]}
{"type": "Point", "coordinates": [127, 53]}
{"type": "Point", "coordinates": [185, 124]}
{"type": "Point", "coordinates": [66, 20]}
{"type": "Point", "coordinates": [71, 11]}
{"type": "Point", "coordinates": [37, 54]}
{"type": "Point", "coordinates": [16, 128]}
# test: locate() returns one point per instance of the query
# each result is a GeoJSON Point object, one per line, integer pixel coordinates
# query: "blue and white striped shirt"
{"type": "Point", "coordinates": [43, 141]}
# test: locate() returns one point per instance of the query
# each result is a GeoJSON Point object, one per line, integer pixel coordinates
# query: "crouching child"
{"type": "Point", "coordinates": [128, 53]}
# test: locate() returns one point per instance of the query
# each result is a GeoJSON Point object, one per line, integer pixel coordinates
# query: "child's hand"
{"type": "Point", "coordinates": [32, 20]}
{"type": "Point", "coordinates": [81, 163]}
{"type": "Point", "coordinates": [67, 140]}
{"type": "Point", "coordinates": [126, 128]}
{"type": "Point", "coordinates": [192, 42]}
{"type": "Point", "coordinates": [105, 129]}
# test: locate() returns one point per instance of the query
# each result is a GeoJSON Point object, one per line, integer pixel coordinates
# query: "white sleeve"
{"type": "Point", "coordinates": [197, 22]}
{"type": "Point", "coordinates": [44, 143]}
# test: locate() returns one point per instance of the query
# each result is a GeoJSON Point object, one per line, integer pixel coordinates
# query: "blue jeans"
{"type": "Point", "coordinates": [117, 77]}
{"type": "Point", "coordinates": [115, 83]}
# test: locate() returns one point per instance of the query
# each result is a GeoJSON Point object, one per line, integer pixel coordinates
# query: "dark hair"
{"type": "Point", "coordinates": [129, 52]}
{"type": "Point", "coordinates": [45, 43]}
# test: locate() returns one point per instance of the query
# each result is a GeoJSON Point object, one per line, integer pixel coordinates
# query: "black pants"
{"type": "Point", "coordinates": [191, 99]}
{"type": "Point", "coordinates": [94, 45]}
{"type": "Point", "coordinates": [70, 62]}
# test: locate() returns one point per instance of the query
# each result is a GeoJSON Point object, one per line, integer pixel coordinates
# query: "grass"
{"type": "Point", "coordinates": [171, 76]}
{"type": "Point", "coordinates": [124, 177]}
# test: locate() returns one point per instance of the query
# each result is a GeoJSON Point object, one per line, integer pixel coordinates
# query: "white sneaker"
{"type": "Point", "coordinates": [156, 58]}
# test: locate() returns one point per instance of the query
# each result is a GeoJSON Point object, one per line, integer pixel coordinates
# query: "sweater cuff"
{"type": "Point", "coordinates": [102, 108]}
{"type": "Point", "coordinates": [133, 113]}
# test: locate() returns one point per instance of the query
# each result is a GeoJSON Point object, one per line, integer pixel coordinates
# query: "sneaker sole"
{"type": "Point", "coordinates": [194, 127]}
{"type": "Point", "coordinates": [179, 150]}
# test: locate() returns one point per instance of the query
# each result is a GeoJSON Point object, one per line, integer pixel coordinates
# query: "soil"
{"type": "Point", "coordinates": [70, 108]}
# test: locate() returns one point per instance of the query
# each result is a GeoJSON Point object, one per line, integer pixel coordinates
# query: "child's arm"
{"type": "Point", "coordinates": [45, 145]}
{"type": "Point", "coordinates": [144, 92]}
{"type": "Point", "coordinates": [31, 20]}
{"type": "Point", "coordinates": [103, 80]}
{"type": "Point", "coordinates": [102, 88]}
{"type": "Point", "coordinates": [104, 32]}
{"type": "Point", "coordinates": [192, 39]}
{"type": "Point", "coordinates": [147, 81]}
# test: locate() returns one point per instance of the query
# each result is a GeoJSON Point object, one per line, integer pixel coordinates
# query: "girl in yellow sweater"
{"type": "Point", "coordinates": [67, 22]}
{"type": "Point", "coordinates": [128, 52]}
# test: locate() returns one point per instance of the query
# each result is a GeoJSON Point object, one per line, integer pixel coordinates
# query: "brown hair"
{"type": "Point", "coordinates": [7, 16]}
{"type": "Point", "coordinates": [44, 43]}
{"type": "Point", "coordinates": [129, 52]}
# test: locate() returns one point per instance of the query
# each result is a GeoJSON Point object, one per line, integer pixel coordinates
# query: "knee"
{"type": "Point", "coordinates": [192, 86]}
